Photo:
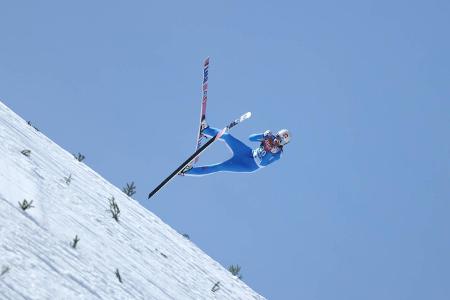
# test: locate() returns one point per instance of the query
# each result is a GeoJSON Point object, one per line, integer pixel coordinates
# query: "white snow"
{"type": "Point", "coordinates": [36, 257]}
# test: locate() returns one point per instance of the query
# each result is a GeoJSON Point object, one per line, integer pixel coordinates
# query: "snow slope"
{"type": "Point", "coordinates": [37, 260]}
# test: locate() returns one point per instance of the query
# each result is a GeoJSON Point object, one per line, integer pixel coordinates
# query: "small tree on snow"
{"type": "Point", "coordinates": [235, 270]}
{"type": "Point", "coordinates": [26, 152]}
{"type": "Point", "coordinates": [118, 275]}
{"type": "Point", "coordinates": [68, 180]}
{"type": "Point", "coordinates": [80, 157]}
{"type": "Point", "coordinates": [130, 189]}
{"type": "Point", "coordinates": [5, 269]}
{"type": "Point", "coordinates": [24, 205]}
{"type": "Point", "coordinates": [216, 287]}
{"type": "Point", "coordinates": [114, 208]}
{"type": "Point", "coordinates": [29, 123]}
{"type": "Point", "coordinates": [75, 242]}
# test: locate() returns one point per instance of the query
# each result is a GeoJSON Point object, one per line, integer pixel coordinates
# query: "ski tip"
{"type": "Point", "coordinates": [246, 115]}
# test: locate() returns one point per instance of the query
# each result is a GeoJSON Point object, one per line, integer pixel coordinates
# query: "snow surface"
{"type": "Point", "coordinates": [36, 257]}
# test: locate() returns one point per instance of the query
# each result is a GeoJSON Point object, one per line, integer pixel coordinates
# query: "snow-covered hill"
{"type": "Point", "coordinates": [36, 257]}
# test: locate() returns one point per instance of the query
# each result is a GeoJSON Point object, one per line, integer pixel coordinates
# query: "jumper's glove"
{"type": "Point", "coordinates": [267, 134]}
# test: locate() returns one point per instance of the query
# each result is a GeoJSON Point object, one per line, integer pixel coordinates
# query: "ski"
{"type": "Point", "coordinates": [200, 136]}
{"type": "Point", "coordinates": [191, 158]}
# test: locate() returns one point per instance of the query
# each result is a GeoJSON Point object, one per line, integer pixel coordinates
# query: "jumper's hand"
{"type": "Point", "coordinates": [267, 134]}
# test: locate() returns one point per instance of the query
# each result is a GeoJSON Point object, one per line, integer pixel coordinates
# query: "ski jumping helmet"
{"type": "Point", "coordinates": [284, 136]}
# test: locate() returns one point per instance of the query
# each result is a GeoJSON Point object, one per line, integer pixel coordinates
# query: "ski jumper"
{"type": "Point", "coordinates": [244, 159]}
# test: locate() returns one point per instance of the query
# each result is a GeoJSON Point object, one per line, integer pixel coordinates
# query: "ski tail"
{"type": "Point", "coordinates": [201, 138]}
{"type": "Point", "coordinates": [237, 121]}
{"type": "Point", "coordinates": [191, 158]}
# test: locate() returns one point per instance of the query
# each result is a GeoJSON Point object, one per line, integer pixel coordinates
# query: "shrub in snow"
{"type": "Point", "coordinates": [5, 270]}
{"type": "Point", "coordinates": [25, 204]}
{"type": "Point", "coordinates": [235, 270]}
{"type": "Point", "coordinates": [186, 236]}
{"type": "Point", "coordinates": [75, 242]}
{"type": "Point", "coordinates": [68, 180]}
{"type": "Point", "coordinates": [80, 157]}
{"type": "Point", "coordinates": [114, 208]}
{"type": "Point", "coordinates": [26, 152]}
{"type": "Point", "coordinates": [29, 123]}
{"type": "Point", "coordinates": [130, 189]}
{"type": "Point", "coordinates": [216, 287]}
{"type": "Point", "coordinates": [118, 275]}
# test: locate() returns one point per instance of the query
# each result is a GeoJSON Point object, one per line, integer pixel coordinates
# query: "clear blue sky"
{"type": "Point", "coordinates": [358, 208]}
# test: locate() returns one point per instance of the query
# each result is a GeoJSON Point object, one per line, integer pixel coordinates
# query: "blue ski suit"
{"type": "Point", "coordinates": [244, 159]}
